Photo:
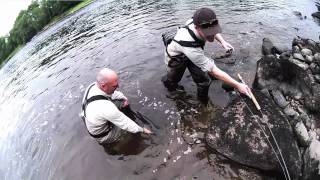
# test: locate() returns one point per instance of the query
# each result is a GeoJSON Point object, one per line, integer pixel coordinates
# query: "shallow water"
{"type": "Point", "coordinates": [41, 87]}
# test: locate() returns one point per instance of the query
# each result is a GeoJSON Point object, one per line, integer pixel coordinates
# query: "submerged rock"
{"type": "Point", "coordinates": [236, 134]}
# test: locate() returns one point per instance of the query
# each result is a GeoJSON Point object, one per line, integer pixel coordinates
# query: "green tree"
{"type": "Point", "coordinates": [29, 22]}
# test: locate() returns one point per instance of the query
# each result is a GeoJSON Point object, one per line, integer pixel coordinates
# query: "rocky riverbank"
{"type": "Point", "coordinates": [287, 86]}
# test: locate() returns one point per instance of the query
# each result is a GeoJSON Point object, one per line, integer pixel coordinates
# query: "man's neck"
{"type": "Point", "coordinates": [196, 32]}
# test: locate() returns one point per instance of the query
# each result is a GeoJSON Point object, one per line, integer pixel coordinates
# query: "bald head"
{"type": "Point", "coordinates": [107, 80]}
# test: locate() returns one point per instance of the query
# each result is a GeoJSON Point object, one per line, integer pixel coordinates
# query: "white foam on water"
{"type": "Point", "coordinates": [44, 123]}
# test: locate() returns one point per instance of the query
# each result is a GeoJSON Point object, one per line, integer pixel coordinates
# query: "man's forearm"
{"type": "Point", "coordinates": [219, 38]}
{"type": "Point", "coordinates": [221, 75]}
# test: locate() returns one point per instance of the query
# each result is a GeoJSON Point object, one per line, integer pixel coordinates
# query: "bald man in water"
{"type": "Point", "coordinates": [102, 109]}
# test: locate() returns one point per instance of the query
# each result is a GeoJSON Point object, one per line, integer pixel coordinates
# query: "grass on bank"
{"type": "Point", "coordinates": [79, 6]}
{"type": "Point", "coordinates": [11, 54]}
{"type": "Point", "coordinates": [69, 12]}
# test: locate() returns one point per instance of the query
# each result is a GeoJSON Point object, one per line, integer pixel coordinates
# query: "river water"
{"type": "Point", "coordinates": [41, 87]}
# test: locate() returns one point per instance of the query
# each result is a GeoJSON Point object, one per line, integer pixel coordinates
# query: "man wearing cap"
{"type": "Point", "coordinates": [104, 110]}
{"type": "Point", "coordinates": [186, 51]}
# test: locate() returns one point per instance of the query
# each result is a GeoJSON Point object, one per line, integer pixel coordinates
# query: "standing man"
{"type": "Point", "coordinates": [186, 51]}
{"type": "Point", "coordinates": [102, 108]}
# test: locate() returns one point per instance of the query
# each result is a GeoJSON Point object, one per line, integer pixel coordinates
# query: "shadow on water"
{"type": "Point", "coordinates": [41, 88]}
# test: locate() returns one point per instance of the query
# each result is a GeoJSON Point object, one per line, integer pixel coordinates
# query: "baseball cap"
{"type": "Point", "coordinates": [206, 19]}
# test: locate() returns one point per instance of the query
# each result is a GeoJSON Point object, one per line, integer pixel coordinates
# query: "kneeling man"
{"type": "Point", "coordinates": [102, 108]}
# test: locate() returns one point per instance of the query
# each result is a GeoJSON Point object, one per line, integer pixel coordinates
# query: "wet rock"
{"type": "Point", "coordinates": [236, 134]}
{"type": "Point", "coordinates": [297, 41]}
{"type": "Point", "coordinates": [279, 50]}
{"type": "Point", "coordinates": [289, 90]}
{"type": "Point", "coordinates": [306, 52]}
{"type": "Point", "coordinates": [311, 43]}
{"type": "Point", "coordinates": [279, 98]}
{"type": "Point", "coordinates": [297, 96]}
{"type": "Point", "coordinates": [317, 78]}
{"type": "Point", "coordinates": [295, 49]}
{"type": "Point", "coordinates": [267, 46]}
{"type": "Point", "coordinates": [315, 68]}
{"type": "Point", "coordinates": [269, 66]}
{"type": "Point", "coordinates": [317, 133]}
{"type": "Point", "coordinates": [302, 134]}
{"type": "Point", "coordinates": [298, 56]}
{"type": "Point", "coordinates": [302, 111]}
{"type": "Point", "coordinates": [311, 161]}
{"type": "Point", "coordinates": [312, 135]}
{"type": "Point", "coordinates": [317, 58]}
{"type": "Point", "coordinates": [306, 43]}
{"type": "Point", "coordinates": [285, 55]}
{"type": "Point", "coordinates": [316, 15]}
{"type": "Point", "coordinates": [309, 59]}
{"type": "Point", "coordinates": [298, 63]}
{"type": "Point", "coordinates": [265, 92]}
{"type": "Point", "coordinates": [312, 102]}
{"type": "Point", "coordinates": [289, 111]}
{"type": "Point", "coordinates": [306, 120]}
{"type": "Point", "coordinates": [260, 83]}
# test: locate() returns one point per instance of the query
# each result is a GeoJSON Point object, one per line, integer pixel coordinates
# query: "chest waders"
{"type": "Point", "coordinates": [109, 125]}
{"type": "Point", "coordinates": [178, 63]}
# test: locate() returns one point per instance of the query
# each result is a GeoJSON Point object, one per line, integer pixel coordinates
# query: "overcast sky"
{"type": "Point", "coordinates": [9, 10]}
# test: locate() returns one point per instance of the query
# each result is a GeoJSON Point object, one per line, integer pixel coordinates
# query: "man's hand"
{"type": "Point", "coordinates": [243, 88]}
{"type": "Point", "coordinates": [224, 43]}
{"type": "Point", "coordinates": [228, 47]}
{"type": "Point", "coordinates": [125, 103]}
{"type": "Point", "coordinates": [146, 131]}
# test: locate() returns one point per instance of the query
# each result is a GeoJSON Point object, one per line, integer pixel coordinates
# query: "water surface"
{"type": "Point", "coordinates": [41, 88]}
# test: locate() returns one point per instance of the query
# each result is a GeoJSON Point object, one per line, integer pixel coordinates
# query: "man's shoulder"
{"type": "Point", "coordinates": [189, 21]}
{"type": "Point", "coordinates": [183, 35]}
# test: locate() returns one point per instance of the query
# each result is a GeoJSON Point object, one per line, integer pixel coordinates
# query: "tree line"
{"type": "Point", "coordinates": [29, 22]}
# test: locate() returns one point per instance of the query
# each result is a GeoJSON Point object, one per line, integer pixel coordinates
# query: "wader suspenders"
{"type": "Point", "coordinates": [84, 105]}
{"type": "Point", "coordinates": [196, 43]}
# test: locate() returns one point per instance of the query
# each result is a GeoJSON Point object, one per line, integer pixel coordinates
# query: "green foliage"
{"type": "Point", "coordinates": [29, 22]}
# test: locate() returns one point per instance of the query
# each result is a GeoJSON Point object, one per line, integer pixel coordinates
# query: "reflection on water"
{"type": "Point", "coordinates": [41, 87]}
